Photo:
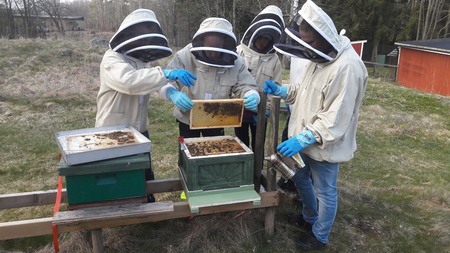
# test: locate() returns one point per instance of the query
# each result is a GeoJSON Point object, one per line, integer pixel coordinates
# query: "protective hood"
{"type": "Point", "coordinates": [141, 37]}
{"type": "Point", "coordinates": [319, 21]}
{"type": "Point", "coordinates": [218, 27]}
{"type": "Point", "coordinates": [269, 22]}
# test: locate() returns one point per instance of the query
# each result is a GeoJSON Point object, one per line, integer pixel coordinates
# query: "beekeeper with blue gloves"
{"type": "Point", "coordinates": [257, 50]}
{"type": "Point", "coordinates": [127, 80]}
{"type": "Point", "coordinates": [220, 71]}
{"type": "Point", "coordinates": [324, 117]}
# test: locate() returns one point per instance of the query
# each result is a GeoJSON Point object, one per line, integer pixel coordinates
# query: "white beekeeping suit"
{"type": "Point", "coordinates": [217, 78]}
{"type": "Point", "coordinates": [125, 79]}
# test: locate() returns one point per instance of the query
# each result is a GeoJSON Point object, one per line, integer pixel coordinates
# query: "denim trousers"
{"type": "Point", "coordinates": [317, 185]}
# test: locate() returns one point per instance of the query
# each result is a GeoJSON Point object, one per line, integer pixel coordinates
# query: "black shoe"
{"type": "Point", "coordinates": [150, 198]}
{"type": "Point", "coordinates": [286, 185]}
{"type": "Point", "coordinates": [299, 221]}
{"type": "Point", "coordinates": [309, 242]}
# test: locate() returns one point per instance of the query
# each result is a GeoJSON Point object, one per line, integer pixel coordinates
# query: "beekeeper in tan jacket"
{"type": "Point", "coordinates": [220, 72]}
{"type": "Point", "coordinates": [324, 117]}
{"type": "Point", "coordinates": [127, 80]}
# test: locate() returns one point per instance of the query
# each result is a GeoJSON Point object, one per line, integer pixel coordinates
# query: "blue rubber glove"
{"type": "Point", "coordinates": [185, 77]}
{"type": "Point", "coordinates": [180, 99]}
{"type": "Point", "coordinates": [251, 101]}
{"type": "Point", "coordinates": [297, 143]}
{"type": "Point", "coordinates": [255, 117]}
{"type": "Point", "coordinates": [270, 87]}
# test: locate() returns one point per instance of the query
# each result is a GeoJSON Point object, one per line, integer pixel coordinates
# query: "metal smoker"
{"type": "Point", "coordinates": [286, 165]}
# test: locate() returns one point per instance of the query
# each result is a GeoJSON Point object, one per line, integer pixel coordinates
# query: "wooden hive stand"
{"type": "Point", "coordinates": [95, 218]}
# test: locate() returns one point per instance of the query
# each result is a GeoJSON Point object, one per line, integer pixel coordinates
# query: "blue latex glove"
{"type": "Point", "coordinates": [297, 143]}
{"type": "Point", "coordinates": [180, 99]}
{"type": "Point", "coordinates": [185, 77]}
{"type": "Point", "coordinates": [270, 87]}
{"type": "Point", "coordinates": [255, 117]}
{"type": "Point", "coordinates": [251, 102]}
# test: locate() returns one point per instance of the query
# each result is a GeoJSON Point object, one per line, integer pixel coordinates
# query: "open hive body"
{"type": "Point", "coordinates": [103, 164]}
{"type": "Point", "coordinates": [216, 171]}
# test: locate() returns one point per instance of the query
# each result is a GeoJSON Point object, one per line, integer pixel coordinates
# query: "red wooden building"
{"type": "Point", "coordinates": [425, 65]}
{"type": "Point", "coordinates": [358, 45]}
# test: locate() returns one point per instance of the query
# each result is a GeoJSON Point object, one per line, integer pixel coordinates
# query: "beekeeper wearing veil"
{"type": "Point", "coordinates": [126, 77]}
{"type": "Point", "coordinates": [324, 117]}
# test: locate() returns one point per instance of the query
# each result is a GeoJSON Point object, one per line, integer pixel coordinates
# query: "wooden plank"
{"type": "Point", "coordinates": [273, 141]}
{"type": "Point", "coordinates": [269, 219]}
{"type": "Point", "coordinates": [97, 240]}
{"type": "Point", "coordinates": [164, 185]}
{"type": "Point", "coordinates": [43, 226]}
{"type": "Point", "coordinates": [259, 142]}
{"type": "Point", "coordinates": [24, 199]}
{"type": "Point", "coordinates": [40, 198]}
{"type": "Point", "coordinates": [112, 212]}
{"type": "Point", "coordinates": [25, 228]}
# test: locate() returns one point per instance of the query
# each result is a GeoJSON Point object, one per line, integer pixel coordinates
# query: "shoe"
{"type": "Point", "coordinates": [286, 185]}
{"type": "Point", "coordinates": [299, 221]}
{"type": "Point", "coordinates": [308, 242]}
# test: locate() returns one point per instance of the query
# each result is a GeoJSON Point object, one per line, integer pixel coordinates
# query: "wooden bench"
{"type": "Point", "coordinates": [96, 218]}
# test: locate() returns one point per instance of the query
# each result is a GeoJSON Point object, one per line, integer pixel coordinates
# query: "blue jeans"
{"type": "Point", "coordinates": [317, 185]}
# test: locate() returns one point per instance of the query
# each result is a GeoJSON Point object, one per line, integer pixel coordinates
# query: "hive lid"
{"type": "Point", "coordinates": [216, 113]}
{"type": "Point", "coordinates": [101, 143]}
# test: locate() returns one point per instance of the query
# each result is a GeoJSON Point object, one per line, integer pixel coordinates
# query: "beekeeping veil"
{"type": "Point", "coordinates": [218, 27]}
{"type": "Point", "coordinates": [269, 23]}
{"type": "Point", "coordinates": [141, 37]}
{"type": "Point", "coordinates": [319, 21]}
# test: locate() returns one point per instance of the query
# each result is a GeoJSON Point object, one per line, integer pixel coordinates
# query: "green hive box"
{"type": "Point", "coordinates": [111, 179]}
{"type": "Point", "coordinates": [216, 171]}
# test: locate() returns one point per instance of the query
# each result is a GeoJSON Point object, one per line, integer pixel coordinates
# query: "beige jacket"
{"type": "Point", "coordinates": [262, 66]}
{"type": "Point", "coordinates": [212, 82]}
{"type": "Point", "coordinates": [125, 85]}
{"type": "Point", "coordinates": [327, 101]}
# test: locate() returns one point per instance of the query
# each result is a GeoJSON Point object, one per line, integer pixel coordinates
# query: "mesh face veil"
{"type": "Point", "coordinates": [269, 24]}
{"type": "Point", "coordinates": [141, 37]}
{"type": "Point", "coordinates": [214, 44]}
{"type": "Point", "coordinates": [314, 18]}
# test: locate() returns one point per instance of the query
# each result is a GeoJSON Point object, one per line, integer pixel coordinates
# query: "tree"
{"type": "Point", "coordinates": [433, 19]}
{"type": "Point", "coordinates": [55, 10]}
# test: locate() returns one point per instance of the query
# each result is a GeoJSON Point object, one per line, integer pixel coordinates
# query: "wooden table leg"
{"type": "Point", "coordinates": [269, 221]}
{"type": "Point", "coordinates": [97, 240]}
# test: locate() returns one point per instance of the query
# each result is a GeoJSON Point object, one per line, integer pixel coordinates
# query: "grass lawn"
{"type": "Point", "coordinates": [394, 196]}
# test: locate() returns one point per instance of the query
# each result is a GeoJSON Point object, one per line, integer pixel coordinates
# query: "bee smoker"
{"type": "Point", "coordinates": [286, 165]}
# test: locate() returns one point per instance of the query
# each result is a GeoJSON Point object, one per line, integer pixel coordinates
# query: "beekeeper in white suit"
{"type": "Point", "coordinates": [261, 60]}
{"type": "Point", "coordinates": [221, 74]}
{"type": "Point", "coordinates": [325, 108]}
{"type": "Point", "coordinates": [127, 80]}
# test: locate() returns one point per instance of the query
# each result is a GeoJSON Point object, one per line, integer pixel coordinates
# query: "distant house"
{"type": "Point", "coordinates": [45, 23]}
{"type": "Point", "coordinates": [425, 65]}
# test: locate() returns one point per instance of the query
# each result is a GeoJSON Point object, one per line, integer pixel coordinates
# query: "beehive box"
{"type": "Point", "coordinates": [210, 163]}
{"type": "Point", "coordinates": [100, 143]}
{"type": "Point", "coordinates": [111, 179]}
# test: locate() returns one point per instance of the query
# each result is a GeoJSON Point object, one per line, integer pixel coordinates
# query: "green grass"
{"type": "Point", "coordinates": [394, 195]}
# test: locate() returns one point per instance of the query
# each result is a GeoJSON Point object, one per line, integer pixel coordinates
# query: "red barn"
{"type": "Point", "coordinates": [425, 65]}
{"type": "Point", "coordinates": [359, 46]}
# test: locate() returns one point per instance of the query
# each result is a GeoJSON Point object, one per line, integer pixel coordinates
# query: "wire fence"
{"type": "Point", "coordinates": [384, 72]}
